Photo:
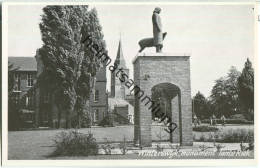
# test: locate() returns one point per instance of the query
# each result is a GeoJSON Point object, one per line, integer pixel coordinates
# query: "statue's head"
{"type": "Point", "coordinates": [157, 10]}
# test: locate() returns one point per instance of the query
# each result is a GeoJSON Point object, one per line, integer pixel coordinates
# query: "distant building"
{"type": "Point", "coordinates": [99, 97]}
{"type": "Point", "coordinates": [23, 91]}
{"type": "Point", "coordinates": [36, 104]}
{"type": "Point", "coordinates": [38, 109]}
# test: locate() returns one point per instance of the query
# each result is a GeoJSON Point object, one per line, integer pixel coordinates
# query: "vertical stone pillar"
{"type": "Point", "coordinates": [175, 109]}
{"type": "Point", "coordinates": [186, 112]}
{"type": "Point", "coordinates": [136, 122]}
{"type": "Point", "coordinates": [145, 122]}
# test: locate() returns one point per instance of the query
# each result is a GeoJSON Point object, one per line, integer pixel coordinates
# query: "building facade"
{"type": "Point", "coordinates": [36, 105]}
{"type": "Point", "coordinates": [99, 97]}
{"type": "Point", "coordinates": [23, 87]}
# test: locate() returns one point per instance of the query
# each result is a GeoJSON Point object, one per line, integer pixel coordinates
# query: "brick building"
{"type": "Point", "coordinates": [36, 107]}
{"type": "Point", "coordinates": [99, 97]}
{"type": "Point", "coordinates": [23, 91]}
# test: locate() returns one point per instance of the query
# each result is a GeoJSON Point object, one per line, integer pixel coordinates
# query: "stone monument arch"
{"type": "Point", "coordinates": [164, 79]}
{"type": "Point", "coordinates": [170, 73]}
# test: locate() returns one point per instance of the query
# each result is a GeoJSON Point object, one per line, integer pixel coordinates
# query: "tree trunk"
{"type": "Point", "coordinates": [59, 115]}
{"type": "Point", "coordinates": [71, 109]}
{"type": "Point", "coordinates": [68, 119]}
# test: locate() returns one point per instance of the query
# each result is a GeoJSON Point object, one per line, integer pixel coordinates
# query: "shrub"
{"type": "Point", "coordinates": [205, 128]}
{"type": "Point", "coordinates": [229, 136]}
{"type": "Point", "coordinates": [82, 121]}
{"type": "Point", "coordinates": [107, 147]}
{"type": "Point", "coordinates": [106, 122]}
{"type": "Point", "coordinates": [236, 136]}
{"type": "Point", "coordinates": [202, 138]}
{"type": "Point", "coordinates": [73, 143]}
{"type": "Point", "coordinates": [230, 121]}
{"type": "Point", "coordinates": [238, 117]}
{"type": "Point", "coordinates": [123, 146]}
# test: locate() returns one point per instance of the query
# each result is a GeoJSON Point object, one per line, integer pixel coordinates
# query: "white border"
{"type": "Point", "coordinates": [185, 162]}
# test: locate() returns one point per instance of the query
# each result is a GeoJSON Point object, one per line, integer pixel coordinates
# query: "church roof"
{"type": "Point", "coordinates": [120, 60]}
{"type": "Point", "coordinates": [23, 63]}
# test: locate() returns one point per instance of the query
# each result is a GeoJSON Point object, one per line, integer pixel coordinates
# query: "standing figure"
{"type": "Point", "coordinates": [157, 30]}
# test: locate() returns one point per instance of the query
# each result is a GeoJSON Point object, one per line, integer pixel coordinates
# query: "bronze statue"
{"type": "Point", "coordinates": [158, 36]}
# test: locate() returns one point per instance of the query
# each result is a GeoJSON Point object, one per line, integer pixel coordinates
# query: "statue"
{"type": "Point", "coordinates": [148, 42]}
{"type": "Point", "coordinates": [157, 29]}
{"type": "Point", "coordinates": [158, 36]}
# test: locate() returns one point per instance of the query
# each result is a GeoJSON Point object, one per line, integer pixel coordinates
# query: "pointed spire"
{"type": "Point", "coordinates": [120, 60]}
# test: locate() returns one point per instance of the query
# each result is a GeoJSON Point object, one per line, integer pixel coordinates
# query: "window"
{"type": "Point", "coordinates": [96, 115]}
{"type": "Point", "coordinates": [29, 101]}
{"type": "Point", "coordinates": [29, 80]}
{"type": "Point", "coordinates": [96, 96]}
{"type": "Point", "coordinates": [17, 80]}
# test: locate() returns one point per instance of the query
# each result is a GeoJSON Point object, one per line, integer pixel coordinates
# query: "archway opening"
{"type": "Point", "coordinates": [166, 120]}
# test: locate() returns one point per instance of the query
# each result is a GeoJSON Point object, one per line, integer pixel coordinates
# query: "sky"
{"type": "Point", "coordinates": [216, 36]}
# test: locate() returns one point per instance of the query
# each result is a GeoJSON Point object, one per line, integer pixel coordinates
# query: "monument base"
{"type": "Point", "coordinates": [171, 74]}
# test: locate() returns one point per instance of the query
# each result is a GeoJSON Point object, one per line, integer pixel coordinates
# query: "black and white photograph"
{"type": "Point", "coordinates": [129, 81]}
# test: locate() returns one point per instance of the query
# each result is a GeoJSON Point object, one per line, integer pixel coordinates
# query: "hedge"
{"type": "Point", "coordinates": [205, 128]}
{"type": "Point", "coordinates": [229, 121]}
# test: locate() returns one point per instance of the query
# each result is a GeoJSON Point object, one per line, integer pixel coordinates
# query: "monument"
{"type": "Point", "coordinates": [169, 74]}
{"type": "Point", "coordinates": [158, 36]}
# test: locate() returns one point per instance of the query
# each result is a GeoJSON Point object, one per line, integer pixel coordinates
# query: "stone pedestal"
{"type": "Point", "coordinates": [170, 71]}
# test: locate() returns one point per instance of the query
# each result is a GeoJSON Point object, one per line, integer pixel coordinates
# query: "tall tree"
{"type": "Point", "coordinates": [219, 97]}
{"type": "Point", "coordinates": [69, 65]}
{"type": "Point", "coordinates": [200, 106]}
{"type": "Point", "coordinates": [232, 90]}
{"type": "Point", "coordinates": [246, 89]}
{"type": "Point", "coordinates": [13, 103]}
{"type": "Point", "coordinates": [224, 94]}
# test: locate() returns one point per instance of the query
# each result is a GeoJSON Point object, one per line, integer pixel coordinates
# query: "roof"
{"type": "Point", "coordinates": [120, 60]}
{"type": "Point", "coordinates": [23, 63]}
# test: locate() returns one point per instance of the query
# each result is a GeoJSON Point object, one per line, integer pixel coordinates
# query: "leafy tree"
{"type": "Point", "coordinates": [246, 89]}
{"type": "Point", "coordinates": [13, 105]}
{"type": "Point", "coordinates": [69, 65]}
{"type": "Point", "coordinates": [232, 90]}
{"type": "Point", "coordinates": [218, 97]}
{"type": "Point", "coordinates": [200, 105]}
{"type": "Point", "coordinates": [224, 94]}
{"type": "Point", "coordinates": [11, 79]}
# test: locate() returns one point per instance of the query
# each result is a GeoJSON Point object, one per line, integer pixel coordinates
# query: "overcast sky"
{"type": "Point", "coordinates": [216, 36]}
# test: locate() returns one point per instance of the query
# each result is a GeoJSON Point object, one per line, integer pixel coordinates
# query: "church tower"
{"type": "Point", "coordinates": [118, 89]}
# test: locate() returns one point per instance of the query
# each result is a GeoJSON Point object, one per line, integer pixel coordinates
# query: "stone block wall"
{"type": "Point", "coordinates": [153, 69]}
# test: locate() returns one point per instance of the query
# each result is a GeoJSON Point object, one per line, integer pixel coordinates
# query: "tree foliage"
{"type": "Point", "coordinates": [246, 89]}
{"type": "Point", "coordinates": [224, 94]}
{"type": "Point", "coordinates": [201, 106]}
{"type": "Point", "coordinates": [69, 65]}
{"type": "Point", "coordinates": [13, 104]}
{"type": "Point", "coordinates": [11, 77]}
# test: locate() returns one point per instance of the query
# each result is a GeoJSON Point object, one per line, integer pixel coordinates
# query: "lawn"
{"type": "Point", "coordinates": [38, 144]}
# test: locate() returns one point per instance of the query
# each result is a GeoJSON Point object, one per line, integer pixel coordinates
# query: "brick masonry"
{"type": "Point", "coordinates": [173, 69]}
